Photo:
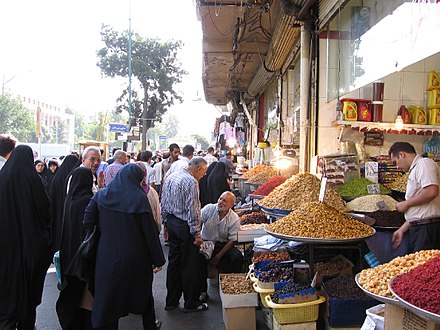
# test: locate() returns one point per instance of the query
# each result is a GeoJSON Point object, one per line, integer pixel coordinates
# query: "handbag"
{"type": "Point", "coordinates": [89, 245]}
{"type": "Point", "coordinates": [83, 263]}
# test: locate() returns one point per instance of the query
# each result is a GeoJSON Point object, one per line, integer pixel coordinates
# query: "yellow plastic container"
{"type": "Point", "coordinates": [263, 293]}
{"type": "Point", "coordinates": [253, 278]}
{"type": "Point", "coordinates": [295, 313]}
{"type": "Point", "coordinates": [433, 80]}
{"type": "Point", "coordinates": [434, 116]}
{"type": "Point", "coordinates": [433, 98]}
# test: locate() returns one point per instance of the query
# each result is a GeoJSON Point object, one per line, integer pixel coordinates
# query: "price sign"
{"type": "Point", "coordinates": [323, 188]}
{"type": "Point", "coordinates": [382, 206]}
{"type": "Point", "coordinates": [373, 189]}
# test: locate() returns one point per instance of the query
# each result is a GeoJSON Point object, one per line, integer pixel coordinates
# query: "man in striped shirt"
{"type": "Point", "coordinates": [180, 206]}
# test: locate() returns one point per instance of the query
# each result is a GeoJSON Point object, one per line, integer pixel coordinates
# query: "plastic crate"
{"type": "Point", "coordinates": [263, 293]}
{"type": "Point", "coordinates": [346, 312]}
{"type": "Point", "coordinates": [295, 313]}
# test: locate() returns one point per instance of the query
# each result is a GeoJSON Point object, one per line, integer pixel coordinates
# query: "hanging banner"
{"type": "Point", "coordinates": [38, 123]}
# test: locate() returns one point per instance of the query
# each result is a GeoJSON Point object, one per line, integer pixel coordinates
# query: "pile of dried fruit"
{"type": "Point", "coordinates": [235, 284]}
{"type": "Point", "coordinates": [299, 190]}
{"type": "Point", "coordinates": [319, 220]}
{"type": "Point", "coordinates": [270, 185]}
{"type": "Point", "coordinates": [344, 287]}
{"type": "Point", "coordinates": [421, 286]}
{"type": "Point", "coordinates": [375, 280]}
{"type": "Point", "coordinates": [254, 217]}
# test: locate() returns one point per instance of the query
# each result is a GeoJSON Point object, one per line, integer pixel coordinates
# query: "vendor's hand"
{"type": "Point", "coordinates": [101, 179]}
{"type": "Point", "coordinates": [397, 238]}
{"type": "Point", "coordinates": [157, 269]}
{"type": "Point", "coordinates": [402, 207]}
{"type": "Point", "coordinates": [198, 241]}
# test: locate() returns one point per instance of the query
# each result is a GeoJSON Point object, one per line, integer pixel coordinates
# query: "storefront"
{"type": "Point", "coordinates": [364, 42]}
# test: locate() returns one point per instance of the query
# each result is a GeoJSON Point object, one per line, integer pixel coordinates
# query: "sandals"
{"type": "Point", "coordinates": [201, 308]}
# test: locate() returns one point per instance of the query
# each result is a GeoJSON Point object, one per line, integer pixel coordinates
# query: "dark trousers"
{"type": "Point", "coordinates": [10, 322]}
{"type": "Point", "coordinates": [232, 262]}
{"type": "Point", "coordinates": [183, 272]}
{"type": "Point", "coordinates": [425, 237]}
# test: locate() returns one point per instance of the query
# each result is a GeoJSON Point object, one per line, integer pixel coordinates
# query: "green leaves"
{"type": "Point", "coordinates": [155, 71]}
{"type": "Point", "coordinates": [15, 119]}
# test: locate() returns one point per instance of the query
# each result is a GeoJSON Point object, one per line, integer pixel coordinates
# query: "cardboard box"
{"type": "Point", "coordinates": [237, 300]}
{"type": "Point", "coordinates": [400, 318]}
{"type": "Point", "coordinates": [241, 318]}
{"type": "Point", "coordinates": [295, 326]}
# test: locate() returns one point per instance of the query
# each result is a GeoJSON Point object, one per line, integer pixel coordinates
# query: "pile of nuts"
{"type": "Point", "coordinates": [299, 190]}
{"type": "Point", "coordinates": [375, 280]}
{"type": "Point", "coordinates": [235, 284]}
{"type": "Point", "coordinates": [368, 203]}
{"type": "Point", "coordinates": [281, 255]}
{"type": "Point", "coordinates": [319, 220]}
{"type": "Point", "coordinates": [253, 226]}
{"type": "Point", "coordinates": [400, 183]}
{"type": "Point", "coordinates": [260, 168]}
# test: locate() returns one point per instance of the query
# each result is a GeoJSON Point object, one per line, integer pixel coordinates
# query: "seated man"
{"type": "Point", "coordinates": [220, 225]}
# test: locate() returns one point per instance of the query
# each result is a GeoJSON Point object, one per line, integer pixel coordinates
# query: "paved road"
{"type": "Point", "coordinates": [211, 319]}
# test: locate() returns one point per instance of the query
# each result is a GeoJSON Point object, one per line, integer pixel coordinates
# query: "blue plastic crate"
{"type": "Point", "coordinates": [346, 312]}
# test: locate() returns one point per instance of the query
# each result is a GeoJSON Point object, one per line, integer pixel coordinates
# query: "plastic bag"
{"type": "Point", "coordinates": [207, 248]}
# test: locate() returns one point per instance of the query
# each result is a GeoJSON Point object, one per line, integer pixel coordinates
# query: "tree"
{"type": "Point", "coordinates": [59, 131]}
{"type": "Point", "coordinates": [204, 144]}
{"type": "Point", "coordinates": [15, 119]}
{"type": "Point", "coordinates": [155, 67]}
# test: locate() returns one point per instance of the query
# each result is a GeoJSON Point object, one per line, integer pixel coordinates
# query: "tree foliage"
{"type": "Point", "coordinates": [155, 68]}
{"type": "Point", "coordinates": [15, 119]}
{"type": "Point", "coordinates": [204, 144]}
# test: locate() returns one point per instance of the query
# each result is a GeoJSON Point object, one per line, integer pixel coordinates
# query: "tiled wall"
{"type": "Point", "coordinates": [407, 87]}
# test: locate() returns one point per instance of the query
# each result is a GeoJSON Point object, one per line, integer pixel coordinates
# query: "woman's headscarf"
{"type": "Point", "coordinates": [203, 185]}
{"type": "Point", "coordinates": [77, 199]}
{"type": "Point", "coordinates": [57, 196]}
{"type": "Point", "coordinates": [124, 194]}
{"type": "Point", "coordinates": [217, 182]}
{"type": "Point", "coordinates": [24, 234]}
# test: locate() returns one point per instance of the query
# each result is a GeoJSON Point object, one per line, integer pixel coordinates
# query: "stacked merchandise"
{"type": "Point", "coordinates": [388, 172]}
{"type": "Point", "coordinates": [434, 98]}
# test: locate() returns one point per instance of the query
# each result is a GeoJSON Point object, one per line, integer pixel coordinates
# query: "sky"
{"type": "Point", "coordinates": [48, 52]}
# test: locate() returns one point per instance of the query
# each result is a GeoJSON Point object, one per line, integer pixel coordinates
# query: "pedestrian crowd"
{"type": "Point", "coordinates": [100, 222]}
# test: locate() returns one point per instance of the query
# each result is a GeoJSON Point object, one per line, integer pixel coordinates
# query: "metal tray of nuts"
{"type": "Point", "coordinates": [360, 217]}
{"type": "Point", "coordinates": [319, 240]}
{"type": "Point", "coordinates": [385, 300]}
{"type": "Point", "coordinates": [416, 310]}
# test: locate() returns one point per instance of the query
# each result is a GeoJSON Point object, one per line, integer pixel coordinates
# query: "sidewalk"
{"type": "Point", "coordinates": [176, 319]}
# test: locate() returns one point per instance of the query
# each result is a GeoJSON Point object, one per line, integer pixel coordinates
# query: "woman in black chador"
{"type": "Point", "coordinates": [24, 240]}
{"type": "Point", "coordinates": [128, 250]}
{"type": "Point", "coordinates": [203, 185]}
{"type": "Point", "coordinates": [57, 195]}
{"type": "Point", "coordinates": [218, 183]}
{"type": "Point", "coordinates": [71, 309]}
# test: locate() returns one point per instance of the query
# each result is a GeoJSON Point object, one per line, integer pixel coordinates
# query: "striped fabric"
{"type": "Point", "coordinates": [180, 196]}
